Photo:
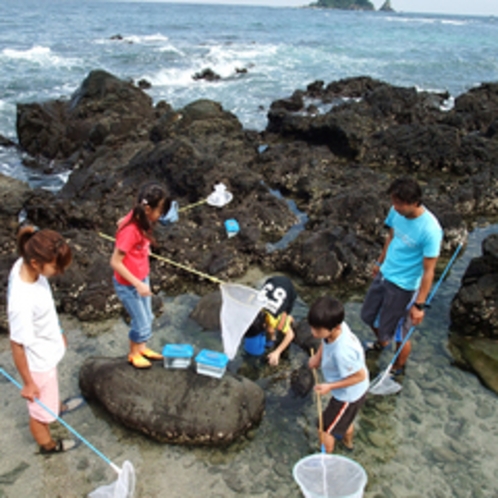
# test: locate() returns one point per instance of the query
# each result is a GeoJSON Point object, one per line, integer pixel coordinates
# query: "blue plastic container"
{"type": "Point", "coordinates": [232, 227]}
{"type": "Point", "coordinates": [212, 363]}
{"type": "Point", "coordinates": [177, 355]}
{"type": "Point", "coordinates": [255, 345]}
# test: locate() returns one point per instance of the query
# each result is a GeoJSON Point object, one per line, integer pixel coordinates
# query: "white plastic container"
{"type": "Point", "coordinates": [177, 355]}
{"type": "Point", "coordinates": [211, 363]}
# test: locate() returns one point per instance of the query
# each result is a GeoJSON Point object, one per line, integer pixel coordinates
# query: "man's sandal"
{"type": "Point", "coordinates": [60, 446]}
{"type": "Point", "coordinates": [373, 346]}
{"type": "Point", "coordinates": [138, 361]}
{"type": "Point", "coordinates": [150, 354]}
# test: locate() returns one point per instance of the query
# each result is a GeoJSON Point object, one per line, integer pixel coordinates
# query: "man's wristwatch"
{"type": "Point", "coordinates": [420, 306]}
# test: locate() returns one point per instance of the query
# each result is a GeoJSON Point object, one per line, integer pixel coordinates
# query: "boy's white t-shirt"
{"type": "Point", "coordinates": [33, 320]}
{"type": "Point", "coordinates": [342, 358]}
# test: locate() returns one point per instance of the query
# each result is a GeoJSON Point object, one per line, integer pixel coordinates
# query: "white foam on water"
{"type": "Point", "coordinates": [146, 39]}
{"type": "Point", "coordinates": [454, 22]}
{"type": "Point", "coordinates": [38, 55]}
{"type": "Point", "coordinates": [222, 59]}
{"type": "Point", "coordinates": [168, 47]}
{"type": "Point", "coordinates": [418, 20]}
{"type": "Point", "coordinates": [425, 20]}
{"type": "Point", "coordinates": [172, 77]}
{"type": "Point", "coordinates": [153, 39]}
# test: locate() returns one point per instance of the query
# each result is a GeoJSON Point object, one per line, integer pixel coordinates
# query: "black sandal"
{"type": "Point", "coordinates": [61, 445]}
{"type": "Point", "coordinates": [373, 346]}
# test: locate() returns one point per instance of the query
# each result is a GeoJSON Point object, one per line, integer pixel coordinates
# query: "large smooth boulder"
{"type": "Point", "coordinates": [174, 405]}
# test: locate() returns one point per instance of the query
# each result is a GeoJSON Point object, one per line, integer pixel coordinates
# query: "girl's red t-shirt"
{"type": "Point", "coordinates": [131, 240]}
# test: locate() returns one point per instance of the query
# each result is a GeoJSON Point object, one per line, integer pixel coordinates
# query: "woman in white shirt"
{"type": "Point", "coordinates": [36, 338]}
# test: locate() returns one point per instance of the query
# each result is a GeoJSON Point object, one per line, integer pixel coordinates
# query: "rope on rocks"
{"type": "Point", "coordinates": [174, 263]}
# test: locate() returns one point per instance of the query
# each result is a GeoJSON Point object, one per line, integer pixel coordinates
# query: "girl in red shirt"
{"type": "Point", "coordinates": [130, 262]}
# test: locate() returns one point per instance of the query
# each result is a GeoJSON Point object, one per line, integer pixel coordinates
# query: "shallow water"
{"type": "Point", "coordinates": [438, 438]}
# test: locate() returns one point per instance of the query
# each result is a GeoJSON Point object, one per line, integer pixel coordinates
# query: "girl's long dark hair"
{"type": "Point", "coordinates": [150, 194]}
{"type": "Point", "coordinates": [43, 246]}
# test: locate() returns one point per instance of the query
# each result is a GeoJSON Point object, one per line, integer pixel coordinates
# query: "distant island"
{"type": "Point", "coordinates": [344, 4]}
{"type": "Point", "coordinates": [352, 5]}
{"type": "Point", "coordinates": [387, 7]}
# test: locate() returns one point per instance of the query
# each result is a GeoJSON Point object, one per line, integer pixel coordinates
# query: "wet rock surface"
{"type": "Point", "coordinates": [174, 405]}
{"type": "Point", "coordinates": [474, 316]}
{"type": "Point", "coordinates": [333, 149]}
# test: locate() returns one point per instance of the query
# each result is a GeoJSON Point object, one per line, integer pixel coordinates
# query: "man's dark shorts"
{"type": "Point", "coordinates": [387, 301]}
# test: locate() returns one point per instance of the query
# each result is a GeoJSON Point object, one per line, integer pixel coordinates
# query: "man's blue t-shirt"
{"type": "Point", "coordinates": [414, 239]}
{"type": "Point", "coordinates": [342, 358]}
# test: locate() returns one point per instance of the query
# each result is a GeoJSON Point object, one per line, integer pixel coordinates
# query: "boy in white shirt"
{"type": "Point", "coordinates": [342, 360]}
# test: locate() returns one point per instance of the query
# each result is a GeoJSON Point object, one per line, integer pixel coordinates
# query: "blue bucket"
{"type": "Point", "coordinates": [255, 345]}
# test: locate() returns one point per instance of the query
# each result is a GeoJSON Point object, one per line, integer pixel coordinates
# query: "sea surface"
{"type": "Point", "coordinates": [48, 47]}
{"type": "Point", "coordinates": [439, 437]}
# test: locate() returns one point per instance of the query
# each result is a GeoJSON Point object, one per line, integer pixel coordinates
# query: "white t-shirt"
{"type": "Point", "coordinates": [33, 321]}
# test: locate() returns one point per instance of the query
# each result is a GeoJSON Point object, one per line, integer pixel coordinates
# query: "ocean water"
{"type": "Point", "coordinates": [439, 437]}
{"type": "Point", "coordinates": [47, 48]}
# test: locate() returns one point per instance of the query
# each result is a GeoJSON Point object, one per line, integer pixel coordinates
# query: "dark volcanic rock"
{"type": "Point", "coordinates": [206, 74]}
{"type": "Point", "coordinates": [476, 109]}
{"type": "Point", "coordinates": [103, 109]}
{"type": "Point", "coordinates": [478, 355]}
{"type": "Point", "coordinates": [302, 381]}
{"type": "Point", "coordinates": [333, 149]}
{"type": "Point", "coordinates": [304, 337]}
{"type": "Point", "coordinates": [13, 195]}
{"type": "Point", "coordinates": [6, 142]}
{"type": "Point", "coordinates": [474, 310]}
{"type": "Point", "coordinates": [207, 311]}
{"type": "Point", "coordinates": [474, 316]}
{"type": "Point", "coordinates": [174, 405]}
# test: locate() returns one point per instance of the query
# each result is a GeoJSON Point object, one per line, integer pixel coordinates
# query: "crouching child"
{"type": "Point", "coordinates": [342, 361]}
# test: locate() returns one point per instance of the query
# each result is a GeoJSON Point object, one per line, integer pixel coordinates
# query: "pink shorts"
{"type": "Point", "coordinates": [49, 395]}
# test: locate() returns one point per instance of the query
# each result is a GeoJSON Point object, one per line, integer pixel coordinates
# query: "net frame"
{"type": "Point", "coordinates": [316, 476]}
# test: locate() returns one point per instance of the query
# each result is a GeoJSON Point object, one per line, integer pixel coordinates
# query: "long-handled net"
{"type": "Point", "coordinates": [384, 384]}
{"type": "Point", "coordinates": [240, 305]}
{"type": "Point", "coordinates": [328, 476]}
{"type": "Point", "coordinates": [123, 487]}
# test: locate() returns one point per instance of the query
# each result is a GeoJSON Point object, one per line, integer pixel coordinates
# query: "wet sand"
{"type": "Point", "coordinates": [438, 438]}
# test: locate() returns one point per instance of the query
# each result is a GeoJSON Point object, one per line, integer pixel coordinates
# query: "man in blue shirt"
{"type": "Point", "coordinates": [404, 271]}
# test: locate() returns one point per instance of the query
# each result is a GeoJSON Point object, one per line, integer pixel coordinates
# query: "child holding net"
{"type": "Point", "coordinates": [130, 262]}
{"type": "Point", "coordinates": [342, 360]}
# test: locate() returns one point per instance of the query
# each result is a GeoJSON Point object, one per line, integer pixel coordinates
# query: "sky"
{"type": "Point", "coordinates": [464, 7]}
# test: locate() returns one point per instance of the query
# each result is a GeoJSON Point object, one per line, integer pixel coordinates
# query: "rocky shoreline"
{"type": "Point", "coordinates": [332, 148]}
